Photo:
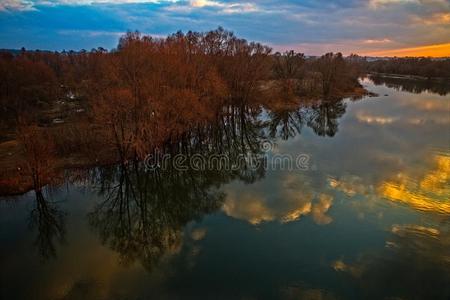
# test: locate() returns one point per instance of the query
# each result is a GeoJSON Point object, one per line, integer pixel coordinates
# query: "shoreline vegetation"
{"type": "Point", "coordinates": [410, 77]}
{"type": "Point", "coordinates": [77, 110]}
{"type": "Point", "coordinates": [411, 67]}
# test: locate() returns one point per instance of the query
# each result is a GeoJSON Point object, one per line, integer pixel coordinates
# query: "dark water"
{"type": "Point", "coordinates": [367, 218]}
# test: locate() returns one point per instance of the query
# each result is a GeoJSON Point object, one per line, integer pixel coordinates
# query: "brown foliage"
{"type": "Point", "coordinates": [336, 74]}
{"type": "Point", "coordinates": [38, 153]}
{"type": "Point", "coordinates": [149, 92]}
{"type": "Point", "coordinates": [24, 86]}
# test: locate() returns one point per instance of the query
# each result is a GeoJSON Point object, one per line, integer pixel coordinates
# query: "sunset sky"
{"type": "Point", "coordinates": [366, 27]}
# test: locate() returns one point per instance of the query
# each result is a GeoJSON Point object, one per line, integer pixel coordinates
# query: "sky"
{"type": "Point", "coordinates": [366, 27]}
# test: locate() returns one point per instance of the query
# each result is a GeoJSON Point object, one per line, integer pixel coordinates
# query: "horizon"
{"type": "Point", "coordinates": [380, 28]}
{"type": "Point", "coordinates": [274, 50]}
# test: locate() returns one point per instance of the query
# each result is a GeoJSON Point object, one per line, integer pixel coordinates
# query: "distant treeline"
{"type": "Point", "coordinates": [424, 67]}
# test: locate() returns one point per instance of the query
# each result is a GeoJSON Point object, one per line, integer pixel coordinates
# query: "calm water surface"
{"type": "Point", "coordinates": [369, 219]}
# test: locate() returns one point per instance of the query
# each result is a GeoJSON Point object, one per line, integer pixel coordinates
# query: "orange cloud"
{"type": "Point", "coordinates": [440, 50]}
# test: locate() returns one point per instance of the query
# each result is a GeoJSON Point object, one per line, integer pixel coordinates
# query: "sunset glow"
{"type": "Point", "coordinates": [441, 50]}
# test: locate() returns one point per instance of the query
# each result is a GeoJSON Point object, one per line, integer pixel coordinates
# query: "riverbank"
{"type": "Point", "coordinates": [14, 181]}
{"type": "Point", "coordinates": [411, 77]}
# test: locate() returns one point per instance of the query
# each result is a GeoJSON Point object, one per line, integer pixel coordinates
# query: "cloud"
{"type": "Point", "coordinates": [371, 119]}
{"type": "Point", "coordinates": [21, 5]}
{"type": "Point", "coordinates": [241, 8]}
{"type": "Point", "coordinates": [203, 3]}
{"type": "Point", "coordinates": [15, 5]}
{"type": "Point", "coordinates": [402, 230]}
{"type": "Point", "coordinates": [441, 18]}
{"type": "Point", "coordinates": [377, 41]}
{"type": "Point", "coordinates": [350, 185]}
{"type": "Point", "coordinates": [355, 26]}
{"type": "Point", "coordinates": [295, 198]}
{"type": "Point", "coordinates": [383, 3]}
{"type": "Point", "coordinates": [424, 194]}
{"type": "Point", "coordinates": [92, 33]}
{"type": "Point", "coordinates": [175, 5]}
{"type": "Point", "coordinates": [198, 234]}
{"type": "Point", "coordinates": [216, 6]}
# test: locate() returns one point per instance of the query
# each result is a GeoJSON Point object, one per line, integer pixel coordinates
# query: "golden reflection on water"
{"type": "Point", "coordinates": [429, 193]}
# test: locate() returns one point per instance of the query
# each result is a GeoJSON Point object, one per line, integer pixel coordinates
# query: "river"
{"type": "Point", "coordinates": [352, 202]}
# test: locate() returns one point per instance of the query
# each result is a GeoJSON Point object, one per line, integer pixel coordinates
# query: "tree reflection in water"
{"type": "Point", "coordinates": [323, 117]}
{"type": "Point", "coordinates": [143, 213]}
{"type": "Point", "coordinates": [49, 221]}
{"type": "Point", "coordinates": [286, 123]}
